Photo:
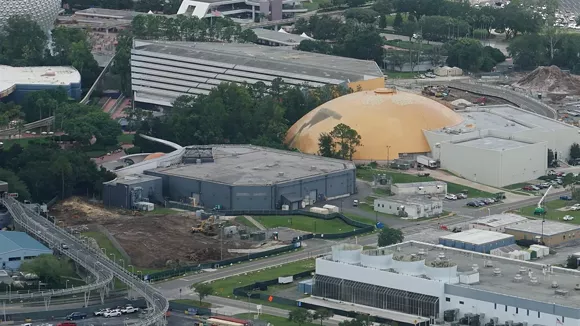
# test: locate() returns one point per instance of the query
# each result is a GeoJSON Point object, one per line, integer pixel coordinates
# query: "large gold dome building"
{"type": "Point", "coordinates": [390, 122]}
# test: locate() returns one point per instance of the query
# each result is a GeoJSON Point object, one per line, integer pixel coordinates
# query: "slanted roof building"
{"type": "Point", "coordinates": [16, 247]}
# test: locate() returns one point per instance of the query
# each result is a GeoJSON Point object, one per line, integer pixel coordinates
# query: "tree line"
{"type": "Point", "coordinates": [24, 43]}
{"type": "Point", "coordinates": [233, 113]}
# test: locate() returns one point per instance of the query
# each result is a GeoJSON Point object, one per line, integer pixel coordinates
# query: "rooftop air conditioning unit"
{"type": "Point", "coordinates": [518, 278]}
{"type": "Point", "coordinates": [497, 271]}
{"type": "Point", "coordinates": [555, 285]}
{"type": "Point", "coordinates": [280, 174]}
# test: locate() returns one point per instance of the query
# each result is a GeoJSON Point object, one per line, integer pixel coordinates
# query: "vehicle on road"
{"type": "Point", "coordinates": [566, 197]}
{"type": "Point", "coordinates": [355, 203]}
{"type": "Point", "coordinates": [64, 246]}
{"type": "Point", "coordinates": [100, 312]}
{"type": "Point", "coordinates": [528, 188]}
{"type": "Point", "coordinates": [112, 313]}
{"type": "Point", "coordinates": [461, 196]}
{"type": "Point", "coordinates": [66, 323]}
{"type": "Point", "coordinates": [575, 207]}
{"type": "Point", "coordinates": [473, 204]}
{"type": "Point", "coordinates": [568, 218]}
{"type": "Point", "coordinates": [450, 197]}
{"type": "Point", "coordinates": [76, 316]}
{"type": "Point", "coordinates": [129, 310]}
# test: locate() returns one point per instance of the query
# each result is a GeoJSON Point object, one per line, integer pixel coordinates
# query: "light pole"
{"type": "Point", "coordinates": [388, 154]}
{"type": "Point", "coordinates": [123, 262]}
{"type": "Point", "coordinates": [114, 258]}
{"type": "Point", "coordinates": [66, 284]}
{"type": "Point", "coordinates": [132, 269]}
{"type": "Point", "coordinates": [488, 211]}
{"type": "Point", "coordinates": [104, 250]}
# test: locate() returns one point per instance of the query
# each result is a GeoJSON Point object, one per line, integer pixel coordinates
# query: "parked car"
{"type": "Point", "coordinates": [112, 313]}
{"type": "Point", "coordinates": [355, 203]}
{"type": "Point", "coordinates": [568, 218]}
{"type": "Point", "coordinates": [450, 197]}
{"type": "Point", "coordinates": [66, 323]}
{"type": "Point", "coordinates": [545, 185]}
{"type": "Point", "coordinates": [129, 310]}
{"type": "Point", "coordinates": [100, 312]}
{"type": "Point", "coordinates": [481, 202]}
{"type": "Point", "coordinates": [76, 316]}
{"type": "Point", "coordinates": [472, 204]}
{"type": "Point", "coordinates": [64, 246]}
{"type": "Point", "coordinates": [535, 187]}
{"type": "Point", "coordinates": [575, 207]}
{"type": "Point", "coordinates": [527, 188]}
{"type": "Point", "coordinates": [566, 197]}
{"type": "Point", "coordinates": [461, 196]}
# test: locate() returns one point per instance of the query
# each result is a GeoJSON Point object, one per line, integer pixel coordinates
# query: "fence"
{"type": "Point", "coordinates": [115, 243]}
{"type": "Point", "coordinates": [362, 228]}
{"type": "Point", "coordinates": [191, 309]}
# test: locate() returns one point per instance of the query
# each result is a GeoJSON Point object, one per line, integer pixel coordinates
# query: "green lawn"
{"type": "Point", "coordinates": [273, 320]}
{"type": "Point", "coordinates": [305, 223]}
{"type": "Point", "coordinates": [400, 74]}
{"type": "Point", "coordinates": [517, 186]}
{"type": "Point", "coordinates": [126, 138]}
{"type": "Point", "coordinates": [244, 221]}
{"type": "Point", "coordinates": [23, 142]}
{"type": "Point", "coordinates": [314, 5]}
{"type": "Point", "coordinates": [193, 303]}
{"type": "Point", "coordinates": [399, 177]}
{"type": "Point", "coordinates": [225, 287]}
{"type": "Point", "coordinates": [552, 212]}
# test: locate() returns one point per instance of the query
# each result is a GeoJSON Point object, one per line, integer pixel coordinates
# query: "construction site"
{"type": "Point", "coordinates": [164, 237]}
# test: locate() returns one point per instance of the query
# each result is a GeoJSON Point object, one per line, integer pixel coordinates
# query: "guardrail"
{"type": "Point", "coordinates": [288, 20]}
{"type": "Point", "coordinates": [93, 259]}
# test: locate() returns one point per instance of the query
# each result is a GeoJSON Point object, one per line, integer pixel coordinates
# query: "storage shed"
{"type": "Point", "coordinates": [305, 287]}
{"type": "Point", "coordinates": [477, 240]}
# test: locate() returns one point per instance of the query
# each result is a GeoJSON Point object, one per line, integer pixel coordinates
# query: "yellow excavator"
{"type": "Point", "coordinates": [208, 227]}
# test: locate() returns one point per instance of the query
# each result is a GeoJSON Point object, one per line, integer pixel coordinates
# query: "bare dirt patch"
{"type": "Point", "coordinates": [150, 240]}
{"type": "Point", "coordinates": [550, 79]}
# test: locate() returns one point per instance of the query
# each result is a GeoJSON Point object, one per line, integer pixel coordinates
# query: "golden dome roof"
{"type": "Point", "coordinates": [383, 117]}
{"type": "Point", "coordinates": [152, 156]}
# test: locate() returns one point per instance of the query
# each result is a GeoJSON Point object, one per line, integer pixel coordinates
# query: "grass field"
{"type": "Point", "coordinates": [314, 5]}
{"type": "Point", "coordinates": [399, 177]}
{"type": "Point", "coordinates": [305, 223]}
{"type": "Point", "coordinates": [552, 212]}
{"type": "Point", "coordinates": [244, 221]}
{"type": "Point", "coordinates": [409, 45]}
{"type": "Point", "coordinates": [400, 74]}
{"type": "Point", "coordinates": [273, 320]}
{"type": "Point", "coordinates": [517, 186]}
{"type": "Point", "coordinates": [126, 138]}
{"type": "Point", "coordinates": [225, 287]}
{"type": "Point", "coordinates": [23, 142]}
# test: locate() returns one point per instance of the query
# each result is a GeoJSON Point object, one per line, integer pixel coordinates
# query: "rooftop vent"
{"type": "Point", "coordinates": [533, 280]}
{"type": "Point", "coordinates": [422, 252]}
{"type": "Point", "coordinates": [497, 271]}
{"type": "Point", "coordinates": [475, 267]}
{"type": "Point", "coordinates": [523, 269]}
{"type": "Point", "coordinates": [441, 255]}
{"type": "Point", "coordinates": [577, 287]}
{"type": "Point", "coordinates": [488, 263]}
{"type": "Point", "coordinates": [561, 292]}
{"type": "Point", "coordinates": [518, 278]}
{"type": "Point", "coordinates": [280, 174]}
{"type": "Point", "coordinates": [555, 285]}
{"type": "Point", "coordinates": [312, 168]}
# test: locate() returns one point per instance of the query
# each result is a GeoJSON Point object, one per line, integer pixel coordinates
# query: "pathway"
{"type": "Point", "coordinates": [256, 223]}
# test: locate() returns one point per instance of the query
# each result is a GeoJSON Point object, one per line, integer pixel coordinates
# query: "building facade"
{"type": "Point", "coordinates": [126, 192]}
{"type": "Point", "coordinates": [497, 222]}
{"type": "Point", "coordinates": [411, 207]}
{"type": "Point", "coordinates": [419, 188]}
{"type": "Point", "coordinates": [16, 82]}
{"type": "Point", "coordinates": [551, 233]}
{"type": "Point", "coordinates": [422, 282]}
{"type": "Point", "coordinates": [477, 240]}
{"type": "Point", "coordinates": [17, 247]}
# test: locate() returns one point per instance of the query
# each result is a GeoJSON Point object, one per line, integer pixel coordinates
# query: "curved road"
{"type": "Point", "coordinates": [40, 227]}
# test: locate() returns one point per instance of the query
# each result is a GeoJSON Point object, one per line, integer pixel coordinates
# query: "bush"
{"type": "Point", "coordinates": [133, 150]}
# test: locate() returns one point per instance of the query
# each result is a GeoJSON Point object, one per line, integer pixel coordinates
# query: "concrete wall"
{"type": "Point", "coordinates": [428, 188]}
{"type": "Point", "coordinates": [523, 164]}
{"type": "Point", "coordinates": [8, 262]}
{"type": "Point", "coordinates": [483, 248]}
{"type": "Point", "coordinates": [550, 241]}
{"type": "Point", "coordinates": [414, 210]}
{"type": "Point", "coordinates": [558, 140]}
{"type": "Point", "coordinates": [475, 164]}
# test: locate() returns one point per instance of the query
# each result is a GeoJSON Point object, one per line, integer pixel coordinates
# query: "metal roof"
{"type": "Point", "coordinates": [477, 236]}
{"type": "Point", "coordinates": [12, 240]}
{"type": "Point", "coordinates": [498, 220]}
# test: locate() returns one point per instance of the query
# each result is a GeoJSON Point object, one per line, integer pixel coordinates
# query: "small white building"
{"type": "Point", "coordinates": [409, 207]}
{"type": "Point", "coordinates": [497, 222]}
{"type": "Point", "coordinates": [446, 71]}
{"type": "Point", "coordinates": [419, 188]}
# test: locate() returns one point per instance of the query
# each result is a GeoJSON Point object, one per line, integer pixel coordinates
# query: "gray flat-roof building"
{"type": "Point", "coordinates": [242, 177]}
{"type": "Point", "coordinates": [550, 232]}
{"type": "Point", "coordinates": [162, 71]}
{"type": "Point", "coordinates": [278, 38]}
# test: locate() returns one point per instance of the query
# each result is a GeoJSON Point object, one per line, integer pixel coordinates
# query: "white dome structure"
{"type": "Point", "coordinates": [43, 12]}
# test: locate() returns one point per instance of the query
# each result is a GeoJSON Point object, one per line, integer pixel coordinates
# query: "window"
{"type": "Point", "coordinates": [528, 313]}
{"type": "Point", "coordinates": [495, 306]}
{"type": "Point", "coordinates": [562, 319]}
{"type": "Point", "coordinates": [538, 314]}
{"type": "Point", "coordinates": [29, 257]}
{"type": "Point", "coordinates": [14, 259]}
{"type": "Point", "coordinates": [460, 302]}
{"type": "Point", "coordinates": [448, 299]}
{"type": "Point", "coordinates": [516, 310]}
{"type": "Point", "coordinates": [506, 307]}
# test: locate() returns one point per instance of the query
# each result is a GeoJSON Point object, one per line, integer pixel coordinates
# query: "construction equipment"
{"type": "Point", "coordinates": [207, 227]}
{"type": "Point", "coordinates": [540, 210]}
{"type": "Point", "coordinates": [481, 101]}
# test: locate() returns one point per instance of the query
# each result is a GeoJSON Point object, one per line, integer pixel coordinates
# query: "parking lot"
{"type": "Point", "coordinates": [573, 6]}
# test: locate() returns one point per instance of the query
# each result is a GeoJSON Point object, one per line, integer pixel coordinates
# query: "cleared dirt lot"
{"type": "Point", "coordinates": [150, 240]}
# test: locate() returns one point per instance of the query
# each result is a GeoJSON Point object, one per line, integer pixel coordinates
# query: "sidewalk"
{"type": "Point", "coordinates": [258, 225]}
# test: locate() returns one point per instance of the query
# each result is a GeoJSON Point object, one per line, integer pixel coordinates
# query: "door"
{"type": "Point", "coordinates": [313, 195]}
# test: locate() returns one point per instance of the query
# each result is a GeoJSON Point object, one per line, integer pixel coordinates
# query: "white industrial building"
{"type": "Point", "coordinates": [419, 188]}
{"type": "Point", "coordinates": [497, 222]}
{"type": "Point", "coordinates": [410, 207]}
{"type": "Point", "coordinates": [499, 145]}
{"type": "Point", "coordinates": [477, 240]}
{"type": "Point", "coordinates": [419, 284]}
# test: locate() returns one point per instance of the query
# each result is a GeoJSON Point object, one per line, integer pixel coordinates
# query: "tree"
{"type": "Point", "coordinates": [326, 145]}
{"type": "Point", "coordinates": [550, 157]}
{"type": "Point", "coordinates": [355, 3]}
{"type": "Point", "coordinates": [22, 42]}
{"type": "Point", "coordinates": [346, 140]}
{"type": "Point", "coordinates": [300, 316]}
{"type": "Point", "coordinates": [49, 269]}
{"type": "Point", "coordinates": [363, 15]}
{"type": "Point", "coordinates": [322, 314]}
{"type": "Point", "coordinates": [383, 21]}
{"type": "Point", "coordinates": [575, 151]}
{"type": "Point", "coordinates": [576, 193]}
{"type": "Point", "coordinates": [572, 262]}
{"type": "Point", "coordinates": [389, 236]}
{"type": "Point", "coordinates": [384, 7]}
{"type": "Point", "coordinates": [359, 320]}
{"type": "Point", "coordinates": [15, 184]}
{"type": "Point", "coordinates": [568, 180]}
{"type": "Point", "coordinates": [398, 21]}
{"type": "Point", "coordinates": [203, 290]}
{"type": "Point", "coordinates": [409, 28]}
{"type": "Point", "coordinates": [62, 167]}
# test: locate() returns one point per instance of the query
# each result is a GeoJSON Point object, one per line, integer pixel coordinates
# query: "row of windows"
{"type": "Point", "coordinates": [19, 258]}
{"type": "Point", "coordinates": [447, 299]}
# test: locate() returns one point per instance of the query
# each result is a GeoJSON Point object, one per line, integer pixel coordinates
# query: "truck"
{"type": "Point", "coordinates": [426, 161]}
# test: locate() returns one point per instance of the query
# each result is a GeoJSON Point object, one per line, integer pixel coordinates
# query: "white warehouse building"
{"type": "Point", "coordinates": [500, 145]}
{"type": "Point", "coordinates": [419, 283]}
{"type": "Point", "coordinates": [420, 188]}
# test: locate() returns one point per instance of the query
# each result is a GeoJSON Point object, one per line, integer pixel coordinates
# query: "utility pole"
{"type": "Point", "coordinates": [388, 154]}
{"type": "Point", "coordinates": [221, 242]}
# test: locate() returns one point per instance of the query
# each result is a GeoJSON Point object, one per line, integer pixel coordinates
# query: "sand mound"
{"type": "Point", "coordinates": [550, 79]}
